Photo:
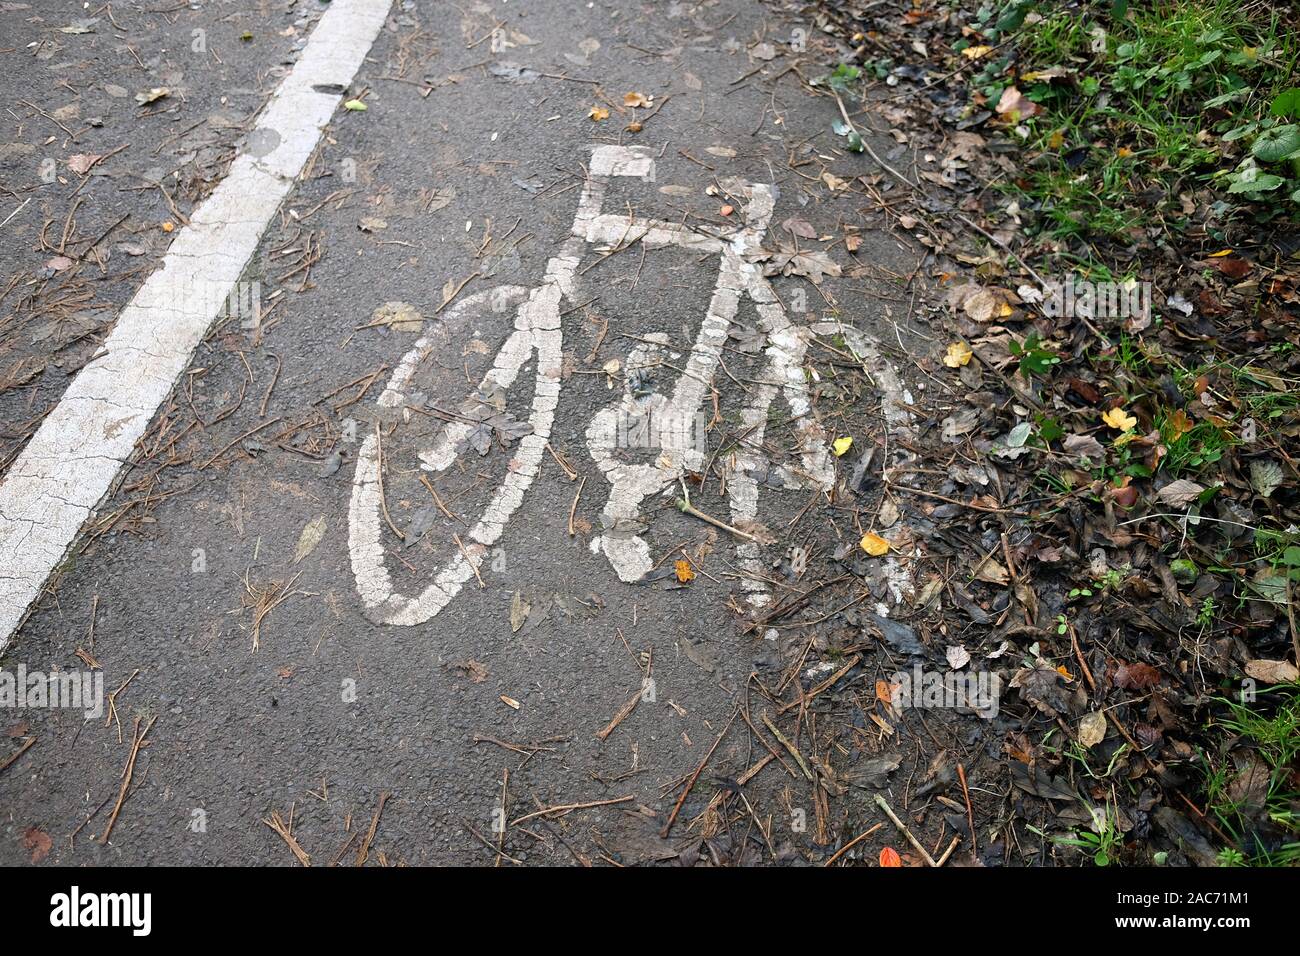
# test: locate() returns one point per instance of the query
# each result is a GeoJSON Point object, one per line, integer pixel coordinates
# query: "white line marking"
{"type": "Point", "coordinates": [894, 403]}
{"type": "Point", "coordinates": [69, 464]}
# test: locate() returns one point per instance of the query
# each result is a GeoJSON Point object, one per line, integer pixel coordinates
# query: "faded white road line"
{"type": "Point", "coordinates": [69, 464]}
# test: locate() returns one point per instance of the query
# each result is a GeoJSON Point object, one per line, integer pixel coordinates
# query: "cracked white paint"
{"type": "Point", "coordinates": [70, 462]}
{"type": "Point", "coordinates": [894, 403]}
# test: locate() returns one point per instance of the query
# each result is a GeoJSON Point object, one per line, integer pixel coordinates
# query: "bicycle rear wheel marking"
{"type": "Point", "coordinates": [537, 330]}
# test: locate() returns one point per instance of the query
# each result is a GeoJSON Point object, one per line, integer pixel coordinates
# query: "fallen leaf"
{"type": "Point", "coordinates": [1015, 106]}
{"type": "Point", "coordinates": [1136, 676]}
{"type": "Point", "coordinates": [990, 571]}
{"type": "Point", "coordinates": [959, 354]}
{"type": "Point", "coordinates": [957, 655]}
{"type": "Point", "coordinates": [1118, 419]}
{"type": "Point", "coordinates": [398, 316]}
{"type": "Point", "coordinates": [1265, 476]}
{"type": "Point", "coordinates": [81, 162]}
{"type": "Point", "coordinates": [1272, 672]}
{"type": "Point", "coordinates": [598, 114]}
{"type": "Point", "coordinates": [355, 106]}
{"type": "Point", "coordinates": [635, 100]}
{"type": "Point", "coordinates": [1180, 493]}
{"type": "Point", "coordinates": [38, 843]}
{"type": "Point", "coordinates": [890, 857]}
{"type": "Point", "coordinates": [510, 702]}
{"type": "Point", "coordinates": [1092, 729]}
{"type": "Point", "coordinates": [874, 544]}
{"type": "Point", "coordinates": [312, 534]}
{"type": "Point", "coordinates": [985, 305]}
{"type": "Point", "coordinates": [519, 608]}
{"type": "Point", "coordinates": [841, 445]}
{"type": "Point", "coordinates": [682, 568]}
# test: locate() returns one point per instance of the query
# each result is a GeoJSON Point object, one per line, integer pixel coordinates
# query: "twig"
{"type": "Point", "coordinates": [573, 509]}
{"type": "Point", "coordinates": [889, 812]}
{"type": "Point", "coordinates": [137, 741]}
{"type": "Point", "coordinates": [685, 507]}
{"type": "Point", "coordinates": [690, 784]}
{"type": "Point", "coordinates": [623, 713]}
{"type": "Point", "coordinates": [14, 756]}
{"type": "Point", "coordinates": [276, 823]}
{"type": "Point", "coordinates": [363, 852]}
{"type": "Point", "coordinates": [852, 843]}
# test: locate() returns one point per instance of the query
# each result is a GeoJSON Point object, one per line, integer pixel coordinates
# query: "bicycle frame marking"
{"type": "Point", "coordinates": [538, 329]}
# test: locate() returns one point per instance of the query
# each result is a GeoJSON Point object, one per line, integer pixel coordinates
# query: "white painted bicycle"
{"type": "Point", "coordinates": [445, 438]}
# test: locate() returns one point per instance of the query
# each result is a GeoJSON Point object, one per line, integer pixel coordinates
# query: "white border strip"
{"type": "Point", "coordinates": [69, 464]}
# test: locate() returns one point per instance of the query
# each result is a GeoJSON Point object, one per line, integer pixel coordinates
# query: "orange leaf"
{"type": "Point", "coordinates": [890, 857]}
{"type": "Point", "coordinates": [684, 572]}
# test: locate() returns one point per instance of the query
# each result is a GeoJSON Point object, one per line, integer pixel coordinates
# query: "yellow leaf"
{"type": "Point", "coordinates": [635, 99]}
{"type": "Point", "coordinates": [1056, 140]}
{"type": "Point", "coordinates": [1119, 419]}
{"type": "Point", "coordinates": [874, 544]}
{"type": "Point", "coordinates": [684, 572]}
{"type": "Point", "coordinates": [841, 445]}
{"type": "Point", "coordinates": [598, 113]}
{"type": "Point", "coordinates": [959, 354]}
{"type": "Point", "coordinates": [1220, 254]}
{"type": "Point", "coordinates": [975, 52]}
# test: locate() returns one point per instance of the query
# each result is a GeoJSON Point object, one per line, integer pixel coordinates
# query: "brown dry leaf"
{"type": "Point", "coordinates": [634, 100]}
{"type": "Point", "coordinates": [1137, 676]}
{"type": "Point", "coordinates": [312, 534]}
{"type": "Point", "coordinates": [991, 571]}
{"type": "Point", "coordinates": [519, 608]}
{"type": "Point", "coordinates": [598, 113]}
{"type": "Point", "coordinates": [37, 843]}
{"type": "Point", "coordinates": [1272, 672]}
{"type": "Point", "coordinates": [474, 670]}
{"type": "Point", "coordinates": [510, 702]}
{"type": "Point", "coordinates": [1180, 493]}
{"type": "Point", "coordinates": [1092, 729]}
{"type": "Point", "coordinates": [81, 162]}
{"type": "Point", "coordinates": [1015, 106]}
{"type": "Point", "coordinates": [986, 305]}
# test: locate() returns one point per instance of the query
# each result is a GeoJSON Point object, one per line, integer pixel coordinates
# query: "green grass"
{"type": "Point", "coordinates": [1129, 114]}
{"type": "Point", "coordinates": [1271, 726]}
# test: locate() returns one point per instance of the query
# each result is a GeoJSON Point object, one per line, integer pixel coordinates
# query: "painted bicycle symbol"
{"type": "Point", "coordinates": [443, 434]}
